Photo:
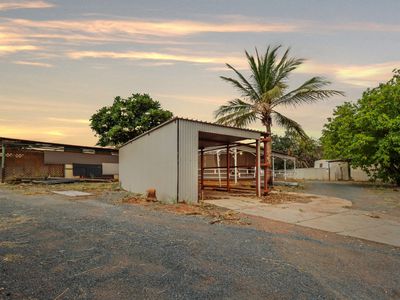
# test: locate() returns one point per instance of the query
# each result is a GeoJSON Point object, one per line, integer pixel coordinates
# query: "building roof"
{"type": "Point", "coordinates": [41, 144]}
{"type": "Point", "coordinates": [190, 120]}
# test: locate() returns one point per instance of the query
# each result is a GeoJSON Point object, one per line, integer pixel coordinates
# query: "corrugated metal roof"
{"type": "Point", "coordinates": [190, 120]}
{"type": "Point", "coordinates": [41, 143]}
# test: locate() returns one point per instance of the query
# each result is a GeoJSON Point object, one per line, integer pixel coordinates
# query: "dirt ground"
{"type": "Point", "coordinates": [106, 247]}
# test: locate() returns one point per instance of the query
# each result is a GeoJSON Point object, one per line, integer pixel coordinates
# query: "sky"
{"type": "Point", "coordinates": [61, 61]}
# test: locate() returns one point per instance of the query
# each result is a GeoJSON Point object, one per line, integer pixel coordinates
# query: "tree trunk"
{"type": "Point", "coordinates": [269, 155]}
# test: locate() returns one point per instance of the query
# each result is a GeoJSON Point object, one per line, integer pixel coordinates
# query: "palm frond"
{"type": "Point", "coordinates": [255, 73]}
{"type": "Point", "coordinates": [309, 92]}
{"type": "Point", "coordinates": [288, 124]}
{"type": "Point", "coordinates": [245, 87]}
{"type": "Point", "coordinates": [236, 113]}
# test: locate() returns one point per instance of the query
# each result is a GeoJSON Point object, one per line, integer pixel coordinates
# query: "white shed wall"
{"type": "Point", "coordinates": [188, 154]}
{"type": "Point", "coordinates": [322, 163]}
{"type": "Point", "coordinates": [310, 173]}
{"type": "Point", "coordinates": [151, 162]}
{"type": "Point", "coordinates": [357, 174]}
{"type": "Point", "coordinates": [110, 169]}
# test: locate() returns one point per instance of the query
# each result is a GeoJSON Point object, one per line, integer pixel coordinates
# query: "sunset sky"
{"type": "Point", "coordinates": [62, 60]}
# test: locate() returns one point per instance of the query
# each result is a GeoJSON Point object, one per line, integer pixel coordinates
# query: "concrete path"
{"type": "Point", "coordinates": [324, 213]}
{"type": "Point", "coordinates": [364, 196]}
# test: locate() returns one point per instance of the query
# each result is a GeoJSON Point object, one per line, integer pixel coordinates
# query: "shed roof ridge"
{"type": "Point", "coordinates": [177, 118]}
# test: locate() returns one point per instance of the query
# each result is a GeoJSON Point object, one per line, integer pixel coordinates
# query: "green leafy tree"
{"type": "Point", "coordinates": [306, 150]}
{"type": "Point", "coordinates": [368, 132]}
{"type": "Point", "coordinates": [127, 118]}
{"type": "Point", "coordinates": [338, 133]}
{"type": "Point", "coordinates": [267, 89]}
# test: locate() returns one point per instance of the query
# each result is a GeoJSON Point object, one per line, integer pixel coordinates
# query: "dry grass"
{"type": "Point", "coordinates": [216, 214]}
{"type": "Point", "coordinates": [12, 257]}
{"type": "Point", "coordinates": [280, 197]}
{"type": "Point", "coordinates": [10, 222]}
{"type": "Point", "coordinates": [10, 245]}
{"type": "Point", "coordinates": [42, 189]}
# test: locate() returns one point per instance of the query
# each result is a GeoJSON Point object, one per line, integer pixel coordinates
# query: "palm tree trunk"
{"type": "Point", "coordinates": [268, 158]}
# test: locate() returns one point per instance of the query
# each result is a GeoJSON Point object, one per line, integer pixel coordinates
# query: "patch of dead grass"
{"type": "Point", "coordinates": [215, 213]}
{"type": "Point", "coordinates": [10, 245]}
{"type": "Point", "coordinates": [42, 189]}
{"type": "Point", "coordinates": [9, 257]}
{"type": "Point", "coordinates": [279, 198]}
{"type": "Point", "coordinates": [10, 222]}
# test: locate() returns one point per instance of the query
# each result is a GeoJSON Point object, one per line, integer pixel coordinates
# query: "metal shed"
{"type": "Point", "coordinates": [166, 158]}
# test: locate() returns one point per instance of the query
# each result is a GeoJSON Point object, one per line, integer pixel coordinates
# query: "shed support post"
{"type": "Point", "coordinates": [284, 167]}
{"type": "Point", "coordinates": [219, 169]}
{"type": "Point", "coordinates": [3, 161]}
{"type": "Point", "coordinates": [273, 168]}
{"type": "Point", "coordinates": [266, 164]}
{"type": "Point", "coordinates": [258, 181]}
{"type": "Point", "coordinates": [228, 169]}
{"type": "Point", "coordinates": [236, 169]}
{"type": "Point", "coordinates": [201, 169]}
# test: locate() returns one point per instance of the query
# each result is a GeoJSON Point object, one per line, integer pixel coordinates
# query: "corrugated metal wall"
{"type": "Point", "coordinates": [188, 154]}
{"type": "Point", "coordinates": [55, 157]}
{"type": "Point", "coordinates": [151, 162]}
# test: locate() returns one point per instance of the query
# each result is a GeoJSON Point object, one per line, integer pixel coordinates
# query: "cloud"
{"type": "Point", "coordinates": [153, 28]}
{"type": "Point", "coordinates": [54, 133]}
{"type": "Point", "coordinates": [47, 132]}
{"type": "Point", "coordinates": [359, 75]}
{"type": "Point", "coordinates": [157, 56]}
{"type": "Point", "coordinates": [66, 120]}
{"type": "Point", "coordinates": [33, 63]}
{"type": "Point", "coordinates": [24, 5]}
{"type": "Point", "coordinates": [362, 26]}
{"type": "Point", "coordinates": [11, 42]}
{"type": "Point", "coordinates": [5, 49]}
{"type": "Point", "coordinates": [194, 99]}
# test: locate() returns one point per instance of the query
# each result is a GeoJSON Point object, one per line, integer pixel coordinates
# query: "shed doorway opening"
{"type": "Point", "coordinates": [229, 164]}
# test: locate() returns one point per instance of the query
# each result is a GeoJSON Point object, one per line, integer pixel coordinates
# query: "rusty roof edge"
{"type": "Point", "coordinates": [57, 144]}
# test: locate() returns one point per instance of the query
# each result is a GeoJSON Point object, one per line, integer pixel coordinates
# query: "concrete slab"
{"type": "Point", "coordinates": [386, 234]}
{"type": "Point", "coordinates": [71, 193]}
{"type": "Point", "coordinates": [323, 213]}
{"type": "Point", "coordinates": [340, 222]}
{"type": "Point", "coordinates": [288, 215]}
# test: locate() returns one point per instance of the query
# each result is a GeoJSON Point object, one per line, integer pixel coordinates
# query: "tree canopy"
{"type": "Point", "coordinates": [306, 150]}
{"type": "Point", "coordinates": [267, 89]}
{"type": "Point", "coordinates": [368, 131]}
{"type": "Point", "coordinates": [127, 118]}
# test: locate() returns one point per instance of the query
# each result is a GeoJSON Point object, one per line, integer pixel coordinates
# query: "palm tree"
{"type": "Point", "coordinates": [266, 89]}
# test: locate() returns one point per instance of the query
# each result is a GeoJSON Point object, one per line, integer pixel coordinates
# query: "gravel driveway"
{"type": "Point", "coordinates": [53, 247]}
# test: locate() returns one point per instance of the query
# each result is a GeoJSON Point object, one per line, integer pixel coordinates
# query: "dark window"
{"type": "Point", "coordinates": [87, 171]}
